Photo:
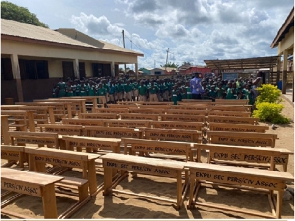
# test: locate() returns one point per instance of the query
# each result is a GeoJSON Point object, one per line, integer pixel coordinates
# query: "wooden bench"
{"type": "Point", "coordinates": [60, 109]}
{"type": "Point", "coordinates": [139, 116]}
{"type": "Point", "coordinates": [131, 146]}
{"type": "Point", "coordinates": [4, 129]}
{"type": "Point", "coordinates": [177, 125]}
{"type": "Point", "coordinates": [128, 123]}
{"type": "Point", "coordinates": [33, 184]}
{"type": "Point", "coordinates": [76, 103]}
{"type": "Point", "coordinates": [244, 155]}
{"type": "Point", "coordinates": [238, 177]}
{"type": "Point", "coordinates": [121, 106]}
{"type": "Point", "coordinates": [143, 165]}
{"type": "Point", "coordinates": [230, 113]}
{"type": "Point", "coordinates": [237, 127]}
{"type": "Point", "coordinates": [232, 120]}
{"type": "Point", "coordinates": [62, 129]}
{"type": "Point", "coordinates": [110, 110]}
{"type": "Point", "coordinates": [83, 122]}
{"type": "Point", "coordinates": [98, 116]}
{"type": "Point", "coordinates": [93, 99]}
{"type": "Point", "coordinates": [187, 112]}
{"type": "Point", "coordinates": [92, 144]}
{"type": "Point", "coordinates": [232, 102]}
{"type": "Point", "coordinates": [182, 117]}
{"type": "Point", "coordinates": [219, 107]}
{"type": "Point", "coordinates": [13, 154]}
{"type": "Point", "coordinates": [39, 138]}
{"type": "Point", "coordinates": [20, 119]}
{"type": "Point", "coordinates": [147, 111]}
{"type": "Point", "coordinates": [190, 107]}
{"type": "Point", "coordinates": [242, 138]}
{"type": "Point", "coordinates": [43, 114]}
{"type": "Point", "coordinates": [39, 157]}
{"type": "Point", "coordinates": [195, 101]}
{"type": "Point", "coordinates": [112, 132]}
{"type": "Point", "coordinates": [173, 135]}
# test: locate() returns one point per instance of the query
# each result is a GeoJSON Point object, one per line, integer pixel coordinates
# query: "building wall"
{"type": "Point", "coordinates": [287, 42]}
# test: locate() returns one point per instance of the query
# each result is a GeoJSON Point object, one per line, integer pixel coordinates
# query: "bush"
{"type": "Point", "coordinates": [268, 93]}
{"type": "Point", "coordinates": [270, 112]}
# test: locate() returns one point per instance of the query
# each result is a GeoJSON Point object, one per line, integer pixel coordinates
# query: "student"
{"type": "Point", "coordinates": [54, 91]}
{"type": "Point", "coordinates": [153, 90]}
{"type": "Point", "coordinates": [61, 88]}
{"type": "Point", "coordinates": [69, 91]}
{"type": "Point", "coordinates": [120, 91]}
{"type": "Point", "coordinates": [112, 91]}
{"type": "Point", "coordinates": [188, 90]}
{"type": "Point", "coordinates": [128, 88]}
{"type": "Point", "coordinates": [212, 93]}
{"type": "Point", "coordinates": [229, 91]}
{"type": "Point", "coordinates": [142, 91]}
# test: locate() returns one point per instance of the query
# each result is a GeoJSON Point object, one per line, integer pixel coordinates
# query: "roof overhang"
{"type": "Point", "coordinates": [244, 63]}
{"type": "Point", "coordinates": [289, 22]}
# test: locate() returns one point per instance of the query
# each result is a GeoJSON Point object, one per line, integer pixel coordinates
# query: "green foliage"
{"type": "Point", "coordinates": [13, 12]}
{"type": "Point", "coordinates": [270, 112]}
{"type": "Point", "coordinates": [170, 65]}
{"type": "Point", "coordinates": [268, 93]}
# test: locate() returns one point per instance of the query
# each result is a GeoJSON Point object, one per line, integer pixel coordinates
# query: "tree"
{"type": "Point", "coordinates": [13, 12]}
{"type": "Point", "coordinates": [170, 65]}
{"type": "Point", "coordinates": [186, 63]}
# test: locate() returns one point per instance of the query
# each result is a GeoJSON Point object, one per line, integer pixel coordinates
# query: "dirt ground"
{"type": "Point", "coordinates": [121, 206]}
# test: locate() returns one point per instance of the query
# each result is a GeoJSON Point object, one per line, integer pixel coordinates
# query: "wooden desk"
{"type": "Point", "coordinates": [244, 155]}
{"type": "Point", "coordinates": [13, 153]}
{"type": "Point", "coordinates": [38, 157]}
{"type": "Point", "coordinates": [110, 110]}
{"type": "Point", "coordinates": [127, 123]}
{"type": "Point", "coordinates": [143, 165]}
{"type": "Point", "coordinates": [112, 132]}
{"type": "Point", "coordinates": [177, 125]}
{"type": "Point", "coordinates": [132, 146]}
{"type": "Point", "coordinates": [92, 144]}
{"type": "Point", "coordinates": [238, 177]}
{"type": "Point", "coordinates": [229, 113]}
{"type": "Point", "coordinates": [173, 134]}
{"type": "Point", "coordinates": [138, 116]}
{"type": "Point", "coordinates": [40, 138]}
{"type": "Point", "coordinates": [232, 120]}
{"type": "Point", "coordinates": [237, 127]}
{"type": "Point", "coordinates": [242, 138]}
{"type": "Point", "coordinates": [183, 117]}
{"type": "Point", "coordinates": [98, 116]}
{"type": "Point", "coordinates": [41, 185]}
{"type": "Point", "coordinates": [84, 122]}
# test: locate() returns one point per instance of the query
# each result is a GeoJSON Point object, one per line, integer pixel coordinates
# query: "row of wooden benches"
{"type": "Point", "coordinates": [195, 173]}
{"type": "Point", "coordinates": [218, 137]}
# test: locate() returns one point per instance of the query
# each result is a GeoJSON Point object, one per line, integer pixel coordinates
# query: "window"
{"type": "Point", "coordinates": [33, 69]}
{"type": "Point", "coordinates": [6, 69]}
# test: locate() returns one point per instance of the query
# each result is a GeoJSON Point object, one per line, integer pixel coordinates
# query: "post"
{"type": "Point", "coordinates": [17, 77]}
{"type": "Point", "coordinates": [136, 70]}
{"type": "Point", "coordinates": [113, 69]}
{"type": "Point", "coordinates": [278, 70]}
{"type": "Point", "coordinates": [284, 82]}
{"type": "Point", "coordinates": [76, 68]}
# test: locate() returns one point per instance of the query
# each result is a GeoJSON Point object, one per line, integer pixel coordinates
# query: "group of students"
{"type": "Point", "coordinates": [168, 89]}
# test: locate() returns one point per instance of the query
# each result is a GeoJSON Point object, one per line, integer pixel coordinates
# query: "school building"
{"type": "Point", "coordinates": [33, 59]}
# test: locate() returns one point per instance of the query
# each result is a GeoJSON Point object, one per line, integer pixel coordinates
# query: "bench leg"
{"type": "Point", "coordinates": [92, 177]}
{"type": "Point", "coordinates": [179, 190]}
{"type": "Point", "coordinates": [279, 203]}
{"type": "Point", "coordinates": [108, 175]}
{"type": "Point", "coordinates": [83, 192]}
{"type": "Point", "coordinates": [191, 193]}
{"type": "Point", "coordinates": [49, 202]}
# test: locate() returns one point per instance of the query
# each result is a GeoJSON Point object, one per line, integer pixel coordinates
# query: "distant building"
{"type": "Point", "coordinates": [185, 69]}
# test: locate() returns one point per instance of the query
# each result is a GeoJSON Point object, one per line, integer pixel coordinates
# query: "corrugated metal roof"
{"type": "Point", "coordinates": [74, 34]}
{"type": "Point", "coordinates": [17, 29]}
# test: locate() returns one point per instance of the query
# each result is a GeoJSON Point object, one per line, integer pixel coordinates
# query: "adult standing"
{"type": "Point", "coordinates": [196, 87]}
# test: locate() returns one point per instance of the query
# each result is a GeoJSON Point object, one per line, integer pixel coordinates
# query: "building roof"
{"type": "Point", "coordinates": [289, 22]}
{"type": "Point", "coordinates": [37, 33]}
{"type": "Point", "coordinates": [244, 63]}
{"type": "Point", "coordinates": [77, 35]}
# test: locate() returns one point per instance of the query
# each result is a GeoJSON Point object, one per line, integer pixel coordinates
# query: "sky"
{"type": "Point", "coordinates": [190, 30]}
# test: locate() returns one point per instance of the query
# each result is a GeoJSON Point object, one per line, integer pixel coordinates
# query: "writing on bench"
{"type": "Point", "coordinates": [15, 186]}
{"type": "Point", "coordinates": [59, 161]}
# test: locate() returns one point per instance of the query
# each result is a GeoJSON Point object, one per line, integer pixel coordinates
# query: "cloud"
{"type": "Point", "coordinates": [96, 25]}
